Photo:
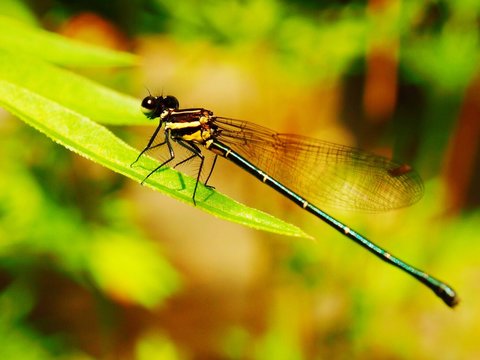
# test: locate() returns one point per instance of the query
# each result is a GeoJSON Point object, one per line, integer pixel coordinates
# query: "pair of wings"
{"type": "Point", "coordinates": [324, 173]}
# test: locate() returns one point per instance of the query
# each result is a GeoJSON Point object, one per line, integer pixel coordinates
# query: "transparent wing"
{"type": "Point", "coordinates": [324, 173]}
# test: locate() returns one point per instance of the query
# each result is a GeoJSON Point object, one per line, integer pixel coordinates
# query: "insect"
{"type": "Point", "coordinates": [305, 170]}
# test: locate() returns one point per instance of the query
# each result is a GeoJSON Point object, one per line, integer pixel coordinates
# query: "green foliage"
{"type": "Point", "coordinates": [61, 214]}
{"type": "Point", "coordinates": [328, 43]}
{"type": "Point", "coordinates": [18, 10]}
{"type": "Point", "coordinates": [35, 224]}
{"type": "Point", "coordinates": [18, 338]}
{"type": "Point", "coordinates": [448, 59]}
{"type": "Point", "coordinates": [61, 104]}
{"type": "Point", "coordinates": [73, 91]}
{"type": "Point", "coordinates": [54, 48]}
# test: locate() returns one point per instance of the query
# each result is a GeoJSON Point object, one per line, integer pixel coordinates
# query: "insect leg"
{"type": "Point", "coordinates": [211, 171]}
{"type": "Point", "coordinates": [195, 152]}
{"type": "Point", "coordinates": [172, 155]}
{"type": "Point", "coordinates": [150, 142]}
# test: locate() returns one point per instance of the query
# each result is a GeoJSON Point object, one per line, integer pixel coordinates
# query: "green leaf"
{"type": "Point", "coordinates": [93, 141]}
{"type": "Point", "coordinates": [18, 10]}
{"type": "Point", "coordinates": [20, 38]}
{"type": "Point", "coordinates": [70, 90]}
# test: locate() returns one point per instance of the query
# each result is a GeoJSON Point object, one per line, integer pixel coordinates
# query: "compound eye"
{"type": "Point", "coordinates": [170, 102]}
{"type": "Point", "coordinates": [149, 105]}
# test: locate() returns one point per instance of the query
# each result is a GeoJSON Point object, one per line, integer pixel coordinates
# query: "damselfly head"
{"type": "Point", "coordinates": [153, 106]}
{"type": "Point", "coordinates": [170, 102]}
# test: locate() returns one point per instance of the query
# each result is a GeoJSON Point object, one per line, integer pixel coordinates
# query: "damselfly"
{"type": "Point", "coordinates": [300, 168]}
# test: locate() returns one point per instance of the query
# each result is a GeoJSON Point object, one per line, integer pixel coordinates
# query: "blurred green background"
{"type": "Point", "coordinates": [95, 266]}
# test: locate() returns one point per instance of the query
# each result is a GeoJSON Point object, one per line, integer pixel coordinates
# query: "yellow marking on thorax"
{"type": "Point", "coordinates": [181, 125]}
{"type": "Point", "coordinates": [196, 136]}
{"type": "Point", "coordinates": [206, 134]}
{"type": "Point", "coordinates": [204, 120]}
